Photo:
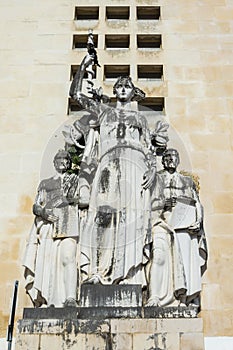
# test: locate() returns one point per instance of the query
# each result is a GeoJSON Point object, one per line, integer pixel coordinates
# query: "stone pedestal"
{"type": "Point", "coordinates": [110, 319]}
{"type": "Point", "coordinates": [110, 334]}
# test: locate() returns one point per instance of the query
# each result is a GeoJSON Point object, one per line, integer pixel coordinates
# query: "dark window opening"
{"type": "Point", "coordinates": [149, 41]}
{"type": "Point", "coordinates": [86, 13]}
{"type": "Point", "coordinates": [117, 12]}
{"type": "Point", "coordinates": [148, 12]}
{"type": "Point", "coordinates": [153, 103]}
{"type": "Point", "coordinates": [150, 71]}
{"type": "Point", "coordinates": [80, 41]}
{"type": "Point", "coordinates": [117, 41]}
{"type": "Point", "coordinates": [115, 71]}
{"type": "Point", "coordinates": [73, 106]}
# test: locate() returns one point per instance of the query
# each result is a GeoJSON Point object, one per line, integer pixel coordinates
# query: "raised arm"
{"type": "Point", "coordinates": [88, 103]}
{"type": "Point", "coordinates": [76, 86]}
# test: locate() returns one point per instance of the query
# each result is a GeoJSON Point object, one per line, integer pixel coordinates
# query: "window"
{"type": "Point", "coordinates": [115, 71]}
{"type": "Point", "coordinates": [117, 12]}
{"type": "Point", "coordinates": [117, 41]}
{"type": "Point", "coordinates": [86, 13]}
{"type": "Point", "coordinates": [80, 41]}
{"type": "Point", "coordinates": [149, 41]}
{"type": "Point", "coordinates": [148, 12]}
{"type": "Point", "coordinates": [150, 72]}
{"type": "Point", "coordinates": [74, 69]}
{"type": "Point", "coordinates": [73, 106]}
{"type": "Point", "coordinates": [153, 103]}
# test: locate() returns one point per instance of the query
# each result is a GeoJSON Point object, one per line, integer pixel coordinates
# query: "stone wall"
{"type": "Point", "coordinates": [36, 55]}
{"type": "Point", "coordinates": [115, 334]}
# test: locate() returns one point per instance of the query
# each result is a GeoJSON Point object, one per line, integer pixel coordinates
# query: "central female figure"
{"type": "Point", "coordinates": [115, 240]}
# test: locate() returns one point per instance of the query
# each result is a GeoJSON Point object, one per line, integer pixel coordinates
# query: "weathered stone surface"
{"type": "Point", "coordinates": [158, 341]}
{"type": "Point", "coordinates": [59, 326]}
{"type": "Point", "coordinates": [115, 334]}
{"type": "Point", "coordinates": [101, 313]}
{"type": "Point", "coordinates": [99, 295]}
{"type": "Point", "coordinates": [26, 342]}
{"type": "Point", "coordinates": [192, 341]}
{"type": "Point", "coordinates": [83, 313]}
{"type": "Point", "coordinates": [19, 20]}
{"type": "Point", "coordinates": [170, 312]}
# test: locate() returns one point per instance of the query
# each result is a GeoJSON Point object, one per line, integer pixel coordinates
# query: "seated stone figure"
{"type": "Point", "coordinates": [50, 258]}
{"type": "Point", "coordinates": [179, 248]}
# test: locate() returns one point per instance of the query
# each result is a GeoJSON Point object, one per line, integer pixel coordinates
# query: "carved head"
{"type": "Point", "coordinates": [170, 159]}
{"type": "Point", "coordinates": [125, 90]}
{"type": "Point", "coordinates": [62, 161]}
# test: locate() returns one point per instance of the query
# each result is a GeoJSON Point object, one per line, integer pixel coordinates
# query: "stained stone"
{"type": "Point", "coordinates": [99, 295]}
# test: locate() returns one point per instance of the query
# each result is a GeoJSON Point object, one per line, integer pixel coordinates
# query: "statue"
{"type": "Point", "coordinates": [115, 241]}
{"type": "Point", "coordinates": [179, 249]}
{"type": "Point", "coordinates": [50, 258]}
{"type": "Point", "coordinates": [135, 226]}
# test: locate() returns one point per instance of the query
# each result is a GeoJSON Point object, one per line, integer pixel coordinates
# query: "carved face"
{"type": "Point", "coordinates": [124, 91]}
{"type": "Point", "coordinates": [61, 164]}
{"type": "Point", "coordinates": [170, 161]}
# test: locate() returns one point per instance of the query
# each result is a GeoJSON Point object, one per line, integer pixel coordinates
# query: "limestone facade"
{"type": "Point", "coordinates": [37, 53]}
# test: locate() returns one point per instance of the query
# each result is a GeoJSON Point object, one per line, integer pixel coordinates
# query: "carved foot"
{"type": "Point", "coordinates": [70, 302]}
{"type": "Point", "coordinates": [93, 280]}
{"type": "Point", "coordinates": [124, 282]}
{"type": "Point", "coordinates": [153, 301]}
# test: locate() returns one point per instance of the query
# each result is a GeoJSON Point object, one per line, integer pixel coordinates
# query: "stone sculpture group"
{"type": "Point", "coordinates": [115, 219]}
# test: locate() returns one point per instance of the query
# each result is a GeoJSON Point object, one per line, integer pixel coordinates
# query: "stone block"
{"type": "Point", "coordinates": [134, 326]}
{"type": "Point", "coordinates": [211, 296]}
{"type": "Point", "coordinates": [223, 202]}
{"type": "Point", "coordinates": [73, 341]}
{"type": "Point", "coordinates": [191, 341]}
{"type": "Point", "coordinates": [218, 322]}
{"type": "Point", "coordinates": [216, 141]}
{"type": "Point", "coordinates": [26, 342]}
{"type": "Point", "coordinates": [180, 325]}
{"type": "Point", "coordinates": [122, 341]}
{"type": "Point", "coordinates": [175, 106]}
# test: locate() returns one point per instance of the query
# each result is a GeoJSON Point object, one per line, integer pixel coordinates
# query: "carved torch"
{"type": "Point", "coordinates": [92, 52]}
{"type": "Point", "coordinates": [98, 92]}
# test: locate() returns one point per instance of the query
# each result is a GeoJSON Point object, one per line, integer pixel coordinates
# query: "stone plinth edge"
{"type": "Point", "coordinates": [109, 312]}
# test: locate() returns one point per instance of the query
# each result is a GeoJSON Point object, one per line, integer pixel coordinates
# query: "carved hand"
{"type": "Point", "coordinates": [87, 61]}
{"type": "Point", "coordinates": [47, 214]}
{"type": "Point", "coordinates": [195, 226]}
{"type": "Point", "coordinates": [170, 203]}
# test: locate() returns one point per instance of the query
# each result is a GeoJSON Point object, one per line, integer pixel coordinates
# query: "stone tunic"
{"type": "Point", "coordinates": [181, 247]}
{"type": "Point", "coordinates": [44, 271]}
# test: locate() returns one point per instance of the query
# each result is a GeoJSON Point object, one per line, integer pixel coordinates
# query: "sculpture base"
{"type": "Point", "coordinates": [114, 334]}
{"type": "Point", "coordinates": [110, 317]}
